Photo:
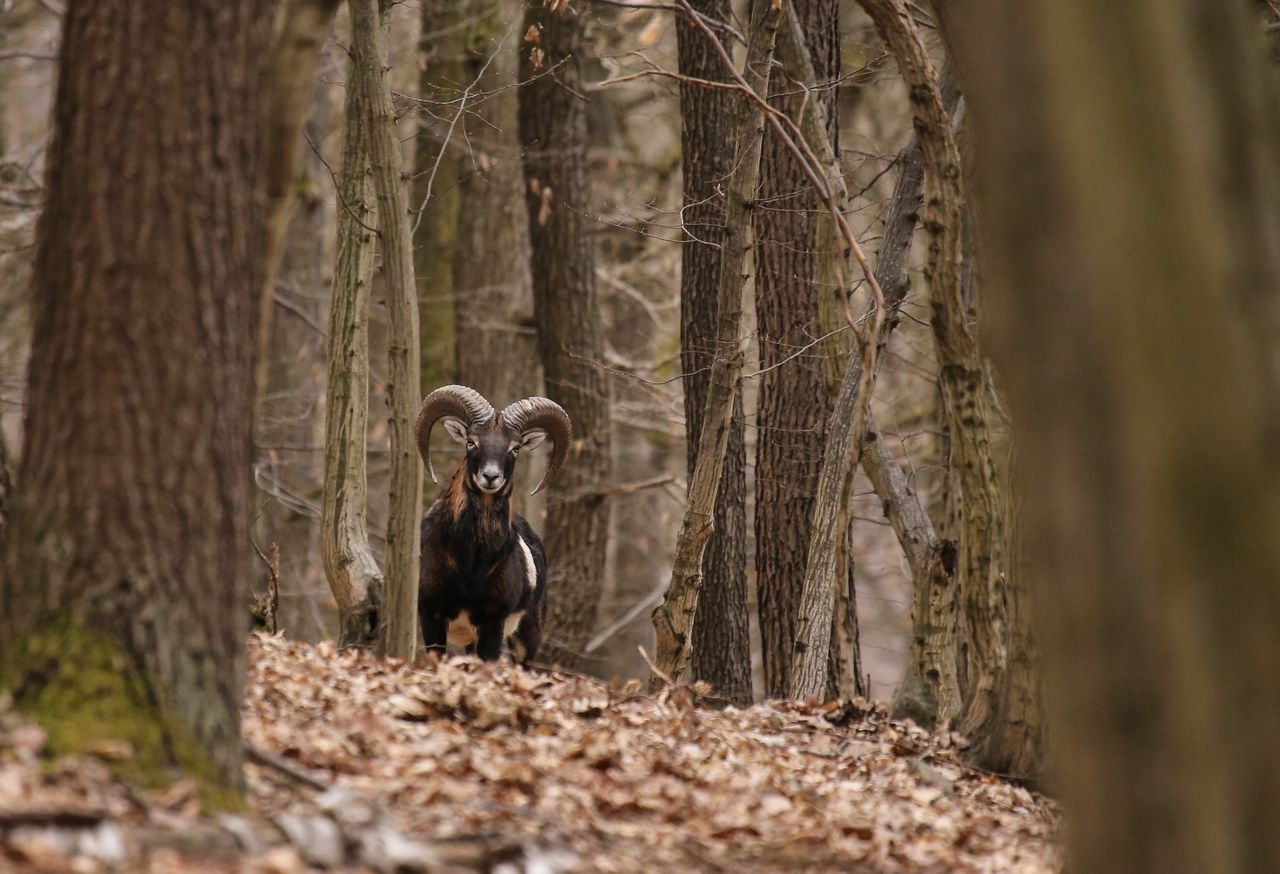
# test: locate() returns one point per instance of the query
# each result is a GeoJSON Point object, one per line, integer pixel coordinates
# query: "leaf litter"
{"type": "Point", "coordinates": [462, 765]}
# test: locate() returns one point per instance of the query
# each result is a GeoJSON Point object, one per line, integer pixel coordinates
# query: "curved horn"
{"type": "Point", "coordinates": [449, 400]}
{"type": "Point", "coordinates": [546, 414]}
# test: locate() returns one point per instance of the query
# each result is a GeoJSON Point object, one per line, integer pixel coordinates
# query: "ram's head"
{"type": "Point", "coordinates": [493, 440]}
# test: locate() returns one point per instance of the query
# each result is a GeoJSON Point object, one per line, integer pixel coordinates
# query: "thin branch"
{"type": "Point", "coordinates": [18, 54]}
{"type": "Point", "coordinates": [448, 134]}
{"type": "Point", "coordinates": [259, 756]}
{"type": "Point", "coordinates": [670, 7]}
{"type": "Point", "coordinates": [626, 618]}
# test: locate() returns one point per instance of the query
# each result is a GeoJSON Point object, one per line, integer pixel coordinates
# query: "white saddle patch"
{"type": "Point", "coordinates": [531, 570]}
{"type": "Point", "coordinates": [461, 632]}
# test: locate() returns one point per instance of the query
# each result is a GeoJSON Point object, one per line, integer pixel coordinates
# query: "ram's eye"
{"type": "Point", "coordinates": [471, 445]}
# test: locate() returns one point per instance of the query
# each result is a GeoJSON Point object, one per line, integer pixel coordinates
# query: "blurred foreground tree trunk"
{"type": "Point", "coordinates": [6, 484]}
{"type": "Point", "coordinates": [123, 594]}
{"type": "Point", "coordinates": [1111, 145]}
{"type": "Point", "coordinates": [721, 639]}
{"type": "Point", "coordinates": [553, 132]}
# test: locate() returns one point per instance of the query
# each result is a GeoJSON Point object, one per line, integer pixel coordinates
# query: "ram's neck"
{"type": "Point", "coordinates": [479, 522]}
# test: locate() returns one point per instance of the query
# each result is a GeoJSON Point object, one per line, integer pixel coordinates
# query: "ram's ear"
{"type": "Point", "coordinates": [457, 429]}
{"type": "Point", "coordinates": [532, 439]}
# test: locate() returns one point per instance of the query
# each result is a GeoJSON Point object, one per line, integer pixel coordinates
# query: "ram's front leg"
{"type": "Point", "coordinates": [435, 631]}
{"type": "Point", "coordinates": [489, 646]}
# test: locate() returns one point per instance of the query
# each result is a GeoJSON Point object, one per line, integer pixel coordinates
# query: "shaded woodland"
{"type": "Point", "coordinates": [920, 360]}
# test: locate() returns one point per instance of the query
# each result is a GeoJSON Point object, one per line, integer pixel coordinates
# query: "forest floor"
{"type": "Point", "coordinates": [361, 764]}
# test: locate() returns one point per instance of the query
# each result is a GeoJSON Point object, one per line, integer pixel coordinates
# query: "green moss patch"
{"type": "Point", "coordinates": [90, 699]}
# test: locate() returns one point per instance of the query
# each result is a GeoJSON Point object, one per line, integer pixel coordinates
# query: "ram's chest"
{"type": "Point", "coordinates": [518, 576]}
{"type": "Point", "coordinates": [462, 632]}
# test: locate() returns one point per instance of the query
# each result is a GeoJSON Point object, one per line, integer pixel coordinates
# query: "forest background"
{"type": "Point", "coordinates": [1103, 277]}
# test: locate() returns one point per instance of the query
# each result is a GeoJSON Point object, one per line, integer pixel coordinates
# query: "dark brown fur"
{"type": "Point", "coordinates": [472, 562]}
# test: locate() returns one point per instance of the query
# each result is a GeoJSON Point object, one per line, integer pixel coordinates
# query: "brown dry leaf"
{"type": "Point", "coordinates": [652, 31]}
{"type": "Point", "coordinates": [408, 707]}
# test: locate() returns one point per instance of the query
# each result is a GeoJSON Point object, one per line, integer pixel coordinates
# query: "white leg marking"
{"type": "Point", "coordinates": [531, 571]}
{"type": "Point", "coordinates": [510, 624]}
{"type": "Point", "coordinates": [461, 632]}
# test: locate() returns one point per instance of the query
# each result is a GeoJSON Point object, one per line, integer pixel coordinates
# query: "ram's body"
{"type": "Point", "coordinates": [484, 574]}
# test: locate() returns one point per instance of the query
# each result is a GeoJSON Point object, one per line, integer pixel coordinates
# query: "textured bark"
{"type": "Point", "coordinates": [996, 741]}
{"type": "Point", "coordinates": [836, 604]}
{"type": "Point", "coordinates": [823, 632]}
{"type": "Point", "coordinates": [442, 81]}
{"type": "Point", "coordinates": [794, 402]}
{"type": "Point", "coordinates": [398, 617]}
{"type": "Point", "coordinates": [933, 615]}
{"type": "Point", "coordinates": [721, 639]}
{"type": "Point", "coordinates": [844, 667]}
{"type": "Point", "coordinates": [552, 122]}
{"type": "Point", "coordinates": [1145, 415]}
{"type": "Point", "coordinates": [808, 670]}
{"type": "Point", "coordinates": [123, 594]}
{"type": "Point", "coordinates": [6, 485]}
{"type": "Point", "coordinates": [497, 341]}
{"type": "Point", "coordinates": [353, 572]}
{"type": "Point", "coordinates": [673, 618]}
{"type": "Point", "coordinates": [847, 676]}
{"type": "Point", "coordinates": [933, 574]}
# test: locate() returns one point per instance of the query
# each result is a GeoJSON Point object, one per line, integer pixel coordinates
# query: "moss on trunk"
{"type": "Point", "coordinates": [85, 690]}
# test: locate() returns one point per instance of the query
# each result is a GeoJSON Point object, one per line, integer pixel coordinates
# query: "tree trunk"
{"type": "Point", "coordinates": [398, 617]}
{"type": "Point", "coordinates": [721, 639]}
{"type": "Point", "coordinates": [6, 485]}
{"type": "Point", "coordinates": [436, 194]}
{"type": "Point", "coordinates": [811, 668]}
{"type": "Point", "coordinates": [794, 402]}
{"type": "Point", "coordinates": [496, 337]}
{"type": "Point", "coordinates": [1145, 414]}
{"type": "Point", "coordinates": [845, 675]}
{"type": "Point", "coordinates": [124, 592]}
{"type": "Point", "coordinates": [673, 618]}
{"type": "Point", "coordinates": [353, 572]}
{"type": "Point", "coordinates": [931, 692]}
{"type": "Point", "coordinates": [996, 741]}
{"type": "Point", "coordinates": [497, 349]}
{"type": "Point", "coordinates": [553, 132]}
